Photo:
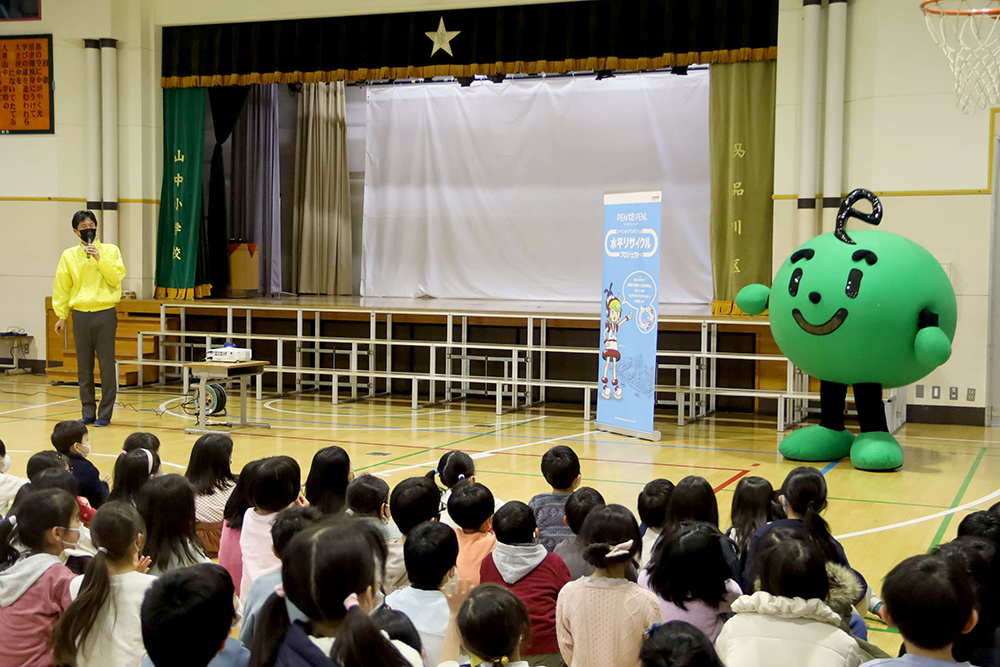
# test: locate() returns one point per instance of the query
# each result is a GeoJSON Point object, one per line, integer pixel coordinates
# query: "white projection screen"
{"type": "Point", "coordinates": [495, 191]}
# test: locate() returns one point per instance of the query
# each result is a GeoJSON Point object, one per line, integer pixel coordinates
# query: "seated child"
{"type": "Point", "coordinates": [690, 576]}
{"type": "Point", "coordinates": [471, 507]}
{"type": "Point", "coordinates": [977, 559]}
{"type": "Point", "coordinates": [186, 618]}
{"type": "Point", "coordinates": [167, 507]}
{"type": "Point", "coordinates": [454, 468]}
{"type": "Point", "coordinates": [578, 506]}
{"type": "Point", "coordinates": [931, 602]}
{"type": "Point", "coordinates": [653, 513]}
{"type": "Point", "coordinates": [431, 550]}
{"type": "Point", "coordinates": [277, 482]}
{"type": "Point", "coordinates": [232, 522]}
{"type": "Point", "coordinates": [530, 572]}
{"type": "Point", "coordinates": [489, 621]}
{"type": "Point", "coordinates": [412, 502]}
{"type": "Point", "coordinates": [676, 643]}
{"type": "Point", "coordinates": [140, 440]}
{"type": "Point", "coordinates": [132, 471]}
{"type": "Point", "coordinates": [34, 584]}
{"type": "Point", "coordinates": [981, 524]}
{"type": "Point", "coordinates": [71, 439]}
{"type": "Point", "coordinates": [561, 469]}
{"type": "Point", "coordinates": [75, 557]}
{"type": "Point", "coordinates": [787, 616]}
{"type": "Point", "coordinates": [368, 498]}
{"type": "Point", "coordinates": [9, 484]}
{"type": "Point", "coordinates": [287, 525]}
{"type": "Point", "coordinates": [399, 627]}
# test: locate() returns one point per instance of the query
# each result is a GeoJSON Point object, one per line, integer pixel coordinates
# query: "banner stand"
{"type": "Point", "coordinates": [652, 436]}
{"type": "Point", "coordinates": [629, 314]}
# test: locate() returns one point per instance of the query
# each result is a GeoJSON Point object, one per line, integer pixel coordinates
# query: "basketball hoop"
{"type": "Point", "coordinates": [970, 37]}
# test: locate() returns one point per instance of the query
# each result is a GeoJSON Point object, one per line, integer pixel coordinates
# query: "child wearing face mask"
{"type": "Point", "coordinates": [9, 484]}
{"type": "Point", "coordinates": [34, 584]}
{"type": "Point", "coordinates": [72, 439]}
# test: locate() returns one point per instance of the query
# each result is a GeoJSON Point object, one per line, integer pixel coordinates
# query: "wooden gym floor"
{"type": "Point", "coordinates": [880, 518]}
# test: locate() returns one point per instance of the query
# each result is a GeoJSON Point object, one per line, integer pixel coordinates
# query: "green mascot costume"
{"type": "Point", "coordinates": [871, 310]}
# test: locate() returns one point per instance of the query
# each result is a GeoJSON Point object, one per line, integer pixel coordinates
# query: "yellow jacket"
{"type": "Point", "coordinates": [85, 284]}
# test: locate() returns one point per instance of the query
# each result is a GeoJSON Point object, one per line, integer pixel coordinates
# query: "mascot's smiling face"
{"type": "Point", "coordinates": [848, 313]}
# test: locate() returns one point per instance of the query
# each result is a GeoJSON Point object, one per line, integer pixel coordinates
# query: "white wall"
{"type": "Point", "coordinates": [905, 139]}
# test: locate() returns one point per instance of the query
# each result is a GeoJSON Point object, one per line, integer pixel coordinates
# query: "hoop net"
{"type": "Point", "coordinates": [970, 38]}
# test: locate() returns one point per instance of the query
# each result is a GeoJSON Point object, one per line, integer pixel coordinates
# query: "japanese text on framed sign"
{"type": "Point", "coordinates": [26, 85]}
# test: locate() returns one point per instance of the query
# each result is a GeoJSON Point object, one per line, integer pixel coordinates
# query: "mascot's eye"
{"type": "Point", "coordinates": [793, 285]}
{"type": "Point", "coordinates": [854, 283]}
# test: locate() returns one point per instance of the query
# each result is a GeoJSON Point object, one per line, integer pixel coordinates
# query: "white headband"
{"type": "Point", "coordinates": [149, 459]}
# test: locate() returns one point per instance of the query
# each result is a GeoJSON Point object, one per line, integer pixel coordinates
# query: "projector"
{"type": "Point", "coordinates": [229, 354]}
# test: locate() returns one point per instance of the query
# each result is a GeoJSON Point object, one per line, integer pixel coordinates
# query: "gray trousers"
{"type": "Point", "coordinates": [94, 333]}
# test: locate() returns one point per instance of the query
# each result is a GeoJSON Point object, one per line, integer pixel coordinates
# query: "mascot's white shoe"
{"type": "Point", "coordinates": [605, 392]}
{"type": "Point", "coordinates": [618, 393]}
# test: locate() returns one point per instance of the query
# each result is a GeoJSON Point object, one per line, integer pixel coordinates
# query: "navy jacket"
{"type": "Point", "coordinates": [298, 650]}
{"type": "Point", "coordinates": [89, 479]}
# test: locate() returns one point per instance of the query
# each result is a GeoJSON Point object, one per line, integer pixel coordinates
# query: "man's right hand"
{"type": "Point", "coordinates": [60, 326]}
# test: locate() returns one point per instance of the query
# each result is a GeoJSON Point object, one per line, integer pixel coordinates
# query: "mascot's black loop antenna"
{"type": "Point", "coordinates": [847, 211]}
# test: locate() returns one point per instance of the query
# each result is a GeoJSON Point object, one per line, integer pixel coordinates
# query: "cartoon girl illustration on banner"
{"type": "Point", "coordinates": [611, 354]}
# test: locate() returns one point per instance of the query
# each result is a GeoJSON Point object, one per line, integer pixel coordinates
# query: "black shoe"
{"type": "Point", "coordinates": [87, 421]}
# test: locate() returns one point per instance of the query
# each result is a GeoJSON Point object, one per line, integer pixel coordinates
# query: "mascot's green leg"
{"type": "Point", "coordinates": [876, 451]}
{"type": "Point", "coordinates": [816, 443]}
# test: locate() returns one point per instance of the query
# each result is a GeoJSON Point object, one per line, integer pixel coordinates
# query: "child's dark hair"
{"type": "Point", "coordinates": [429, 553]}
{"type": "Point", "coordinates": [113, 530]}
{"type": "Point", "coordinates": [209, 465]}
{"type": "Point", "coordinates": [66, 434]}
{"type": "Point", "coordinates": [792, 565]}
{"type": "Point", "coordinates": [398, 626]}
{"type": "Point", "coordinates": [753, 506]}
{"type": "Point", "coordinates": [606, 528]}
{"type": "Point", "coordinates": [194, 604]}
{"type": "Point", "coordinates": [688, 564]}
{"type": "Point", "coordinates": [239, 499]}
{"type": "Point", "coordinates": [976, 557]}
{"type": "Point", "coordinates": [44, 460]}
{"type": "Point", "coordinates": [454, 467]}
{"type": "Point", "coordinates": [290, 522]}
{"type": "Point", "coordinates": [167, 506]}
{"type": "Point", "coordinates": [3, 449]}
{"type": "Point", "coordinates": [678, 644]}
{"type": "Point", "coordinates": [276, 483]}
{"type": "Point", "coordinates": [804, 489]}
{"type": "Point", "coordinates": [470, 505]}
{"type": "Point", "coordinates": [41, 511]}
{"type": "Point", "coordinates": [132, 472]}
{"type": "Point", "coordinates": [320, 568]}
{"type": "Point", "coordinates": [366, 494]}
{"type": "Point", "coordinates": [493, 623]}
{"type": "Point", "coordinates": [929, 599]}
{"type": "Point", "coordinates": [692, 500]}
{"type": "Point", "coordinates": [141, 440]}
{"type": "Point", "coordinates": [560, 467]}
{"type": "Point", "coordinates": [981, 524]}
{"type": "Point", "coordinates": [54, 478]}
{"type": "Point", "coordinates": [653, 502]}
{"type": "Point", "coordinates": [514, 523]}
{"type": "Point", "coordinates": [326, 486]}
{"type": "Point", "coordinates": [579, 505]}
{"type": "Point", "coordinates": [414, 501]}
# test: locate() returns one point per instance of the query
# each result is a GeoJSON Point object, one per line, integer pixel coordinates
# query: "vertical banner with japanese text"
{"type": "Point", "coordinates": [629, 314]}
{"type": "Point", "coordinates": [180, 196]}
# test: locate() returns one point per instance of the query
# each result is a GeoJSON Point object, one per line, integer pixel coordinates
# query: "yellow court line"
{"type": "Point", "coordinates": [78, 199]}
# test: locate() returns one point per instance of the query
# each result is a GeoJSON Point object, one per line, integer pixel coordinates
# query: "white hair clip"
{"type": "Point", "coordinates": [622, 549]}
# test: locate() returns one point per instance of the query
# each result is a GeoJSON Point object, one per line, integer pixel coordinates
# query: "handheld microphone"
{"type": "Point", "coordinates": [89, 236]}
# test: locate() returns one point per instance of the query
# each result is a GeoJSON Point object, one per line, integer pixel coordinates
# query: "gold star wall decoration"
{"type": "Point", "coordinates": [442, 39]}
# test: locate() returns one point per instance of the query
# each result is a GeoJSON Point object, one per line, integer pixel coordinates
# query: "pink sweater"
{"type": "Point", "coordinates": [701, 615]}
{"type": "Point", "coordinates": [230, 556]}
{"type": "Point", "coordinates": [28, 622]}
{"type": "Point", "coordinates": [601, 621]}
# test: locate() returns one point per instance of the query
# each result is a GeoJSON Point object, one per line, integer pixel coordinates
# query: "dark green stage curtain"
{"type": "Point", "coordinates": [551, 37]}
{"type": "Point", "coordinates": [177, 251]}
{"type": "Point", "coordinates": [741, 139]}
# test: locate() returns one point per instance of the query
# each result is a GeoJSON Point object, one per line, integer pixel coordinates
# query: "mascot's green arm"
{"type": "Point", "coordinates": [752, 299]}
{"type": "Point", "coordinates": [931, 346]}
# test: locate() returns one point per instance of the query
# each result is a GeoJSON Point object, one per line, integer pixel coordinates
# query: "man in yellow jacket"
{"type": "Point", "coordinates": [89, 282]}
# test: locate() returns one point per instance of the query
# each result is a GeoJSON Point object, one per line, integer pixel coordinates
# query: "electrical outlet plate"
{"type": "Point", "coordinates": [935, 392]}
{"type": "Point", "coordinates": [919, 391]}
{"type": "Point", "coordinates": [953, 393]}
{"type": "Point", "coordinates": [970, 395]}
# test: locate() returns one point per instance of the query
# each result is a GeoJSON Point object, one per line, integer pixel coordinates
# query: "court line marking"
{"type": "Point", "coordinates": [38, 405]}
{"type": "Point", "coordinates": [480, 455]}
{"type": "Point", "coordinates": [929, 517]}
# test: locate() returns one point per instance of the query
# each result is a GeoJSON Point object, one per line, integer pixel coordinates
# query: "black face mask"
{"type": "Point", "coordinates": [88, 235]}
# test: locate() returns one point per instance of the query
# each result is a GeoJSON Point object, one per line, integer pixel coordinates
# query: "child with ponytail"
{"type": "Point", "coordinates": [34, 584]}
{"type": "Point", "coordinates": [600, 619]}
{"type": "Point", "coordinates": [330, 573]}
{"type": "Point", "coordinates": [132, 471]}
{"type": "Point", "coordinates": [455, 468]}
{"type": "Point", "coordinates": [102, 625]}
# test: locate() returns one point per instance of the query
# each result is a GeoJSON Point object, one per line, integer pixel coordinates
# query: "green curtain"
{"type": "Point", "coordinates": [181, 223]}
{"type": "Point", "coordinates": [741, 139]}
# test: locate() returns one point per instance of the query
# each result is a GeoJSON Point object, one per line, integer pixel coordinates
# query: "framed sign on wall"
{"type": "Point", "coordinates": [20, 10]}
{"type": "Point", "coordinates": [26, 91]}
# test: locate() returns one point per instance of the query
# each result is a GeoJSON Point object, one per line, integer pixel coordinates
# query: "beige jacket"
{"type": "Point", "coordinates": [770, 631]}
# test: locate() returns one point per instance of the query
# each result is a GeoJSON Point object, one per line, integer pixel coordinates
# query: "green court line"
{"type": "Point", "coordinates": [432, 449]}
{"type": "Point", "coordinates": [892, 631]}
{"type": "Point", "coordinates": [958, 498]}
{"type": "Point", "coordinates": [875, 502]}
